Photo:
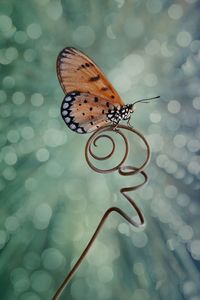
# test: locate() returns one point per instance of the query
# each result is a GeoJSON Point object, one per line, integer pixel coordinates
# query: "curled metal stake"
{"type": "Point", "coordinates": [123, 170]}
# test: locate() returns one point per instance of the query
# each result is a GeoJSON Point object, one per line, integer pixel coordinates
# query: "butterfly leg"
{"type": "Point", "coordinates": [128, 123]}
{"type": "Point", "coordinates": [115, 127]}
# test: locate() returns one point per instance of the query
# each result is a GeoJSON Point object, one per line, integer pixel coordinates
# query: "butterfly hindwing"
{"type": "Point", "coordinates": [76, 71]}
{"type": "Point", "coordinates": [83, 112]}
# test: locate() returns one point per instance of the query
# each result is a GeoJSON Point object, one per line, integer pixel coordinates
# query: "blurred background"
{"type": "Point", "coordinates": [51, 201]}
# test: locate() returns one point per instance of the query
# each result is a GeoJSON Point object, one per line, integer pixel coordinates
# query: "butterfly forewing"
{"type": "Point", "coordinates": [77, 72]}
{"type": "Point", "coordinates": [83, 112]}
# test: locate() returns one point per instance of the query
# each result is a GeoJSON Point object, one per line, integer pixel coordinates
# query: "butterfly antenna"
{"type": "Point", "coordinates": [146, 100]}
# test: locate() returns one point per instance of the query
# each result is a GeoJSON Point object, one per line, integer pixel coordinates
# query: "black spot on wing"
{"type": "Point", "coordinates": [104, 88]}
{"type": "Point", "coordinates": [95, 78]}
{"type": "Point", "coordinates": [86, 65]}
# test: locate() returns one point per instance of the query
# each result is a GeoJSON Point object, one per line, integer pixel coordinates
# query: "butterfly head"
{"type": "Point", "coordinates": [131, 108]}
{"type": "Point", "coordinates": [126, 111]}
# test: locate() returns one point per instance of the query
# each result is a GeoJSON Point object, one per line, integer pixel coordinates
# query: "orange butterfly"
{"type": "Point", "coordinates": [90, 100]}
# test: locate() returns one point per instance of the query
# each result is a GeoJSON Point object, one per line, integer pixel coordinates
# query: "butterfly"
{"type": "Point", "coordinates": [90, 100]}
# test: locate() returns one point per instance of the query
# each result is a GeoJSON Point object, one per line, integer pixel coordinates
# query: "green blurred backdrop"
{"type": "Point", "coordinates": [51, 201]}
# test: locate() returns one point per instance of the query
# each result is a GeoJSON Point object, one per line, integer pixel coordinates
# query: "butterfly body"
{"type": "Point", "coordinates": [120, 113]}
{"type": "Point", "coordinates": [90, 100]}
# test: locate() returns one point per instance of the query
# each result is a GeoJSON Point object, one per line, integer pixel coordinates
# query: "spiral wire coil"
{"type": "Point", "coordinates": [124, 170]}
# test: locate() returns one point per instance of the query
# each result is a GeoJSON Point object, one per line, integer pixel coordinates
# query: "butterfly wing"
{"type": "Point", "coordinates": [83, 112]}
{"type": "Point", "coordinates": [77, 72]}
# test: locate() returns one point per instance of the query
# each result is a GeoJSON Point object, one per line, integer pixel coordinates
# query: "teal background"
{"type": "Point", "coordinates": [51, 202]}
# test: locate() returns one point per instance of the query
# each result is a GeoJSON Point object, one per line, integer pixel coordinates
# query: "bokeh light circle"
{"type": "Point", "coordinates": [84, 36]}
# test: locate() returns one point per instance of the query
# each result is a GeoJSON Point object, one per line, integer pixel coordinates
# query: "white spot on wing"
{"type": "Point", "coordinates": [67, 120]}
{"type": "Point", "coordinates": [80, 130]}
{"type": "Point", "coordinates": [64, 112]}
{"type": "Point", "coordinates": [69, 98]}
{"type": "Point", "coordinates": [65, 105]}
{"type": "Point", "coordinates": [72, 126]}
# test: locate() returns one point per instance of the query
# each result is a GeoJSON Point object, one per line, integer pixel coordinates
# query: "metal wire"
{"type": "Point", "coordinates": [124, 170]}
